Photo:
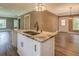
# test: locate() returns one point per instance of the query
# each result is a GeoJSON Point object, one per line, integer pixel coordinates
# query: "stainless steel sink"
{"type": "Point", "coordinates": [31, 32]}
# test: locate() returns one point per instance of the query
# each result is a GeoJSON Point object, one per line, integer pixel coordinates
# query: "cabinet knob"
{"type": "Point", "coordinates": [35, 48]}
{"type": "Point", "coordinates": [21, 44]}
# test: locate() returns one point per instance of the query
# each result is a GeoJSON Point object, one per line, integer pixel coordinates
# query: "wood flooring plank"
{"type": "Point", "coordinates": [67, 44]}
{"type": "Point", "coordinates": [6, 49]}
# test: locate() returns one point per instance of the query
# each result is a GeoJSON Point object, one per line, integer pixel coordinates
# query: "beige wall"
{"type": "Point", "coordinates": [50, 22]}
{"type": "Point", "coordinates": [46, 20]}
{"type": "Point", "coordinates": [33, 18]}
{"type": "Point", "coordinates": [63, 28]}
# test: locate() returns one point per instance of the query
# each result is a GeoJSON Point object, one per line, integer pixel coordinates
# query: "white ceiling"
{"type": "Point", "coordinates": [17, 9]}
{"type": "Point", "coordinates": [14, 9]}
{"type": "Point", "coordinates": [63, 8]}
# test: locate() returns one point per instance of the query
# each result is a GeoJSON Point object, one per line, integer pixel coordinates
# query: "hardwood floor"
{"type": "Point", "coordinates": [67, 44]}
{"type": "Point", "coordinates": [6, 48]}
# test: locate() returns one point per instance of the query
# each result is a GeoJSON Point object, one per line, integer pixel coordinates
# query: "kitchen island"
{"type": "Point", "coordinates": [40, 44]}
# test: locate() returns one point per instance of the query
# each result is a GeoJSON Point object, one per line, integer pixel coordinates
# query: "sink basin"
{"type": "Point", "coordinates": [31, 32]}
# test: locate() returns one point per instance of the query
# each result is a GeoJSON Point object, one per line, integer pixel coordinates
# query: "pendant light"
{"type": "Point", "coordinates": [40, 7]}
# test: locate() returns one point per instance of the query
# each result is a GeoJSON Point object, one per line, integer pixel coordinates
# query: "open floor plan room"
{"type": "Point", "coordinates": [39, 29]}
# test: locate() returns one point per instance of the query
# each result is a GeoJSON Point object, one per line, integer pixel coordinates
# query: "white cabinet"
{"type": "Point", "coordinates": [24, 45]}
{"type": "Point", "coordinates": [29, 47]}
{"type": "Point", "coordinates": [36, 48]}
{"type": "Point", "coordinates": [14, 37]}
{"type": "Point", "coordinates": [19, 44]}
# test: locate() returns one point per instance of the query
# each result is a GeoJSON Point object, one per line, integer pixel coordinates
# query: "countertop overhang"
{"type": "Point", "coordinates": [42, 37]}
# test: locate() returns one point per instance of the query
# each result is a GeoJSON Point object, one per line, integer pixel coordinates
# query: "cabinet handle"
{"type": "Point", "coordinates": [35, 48]}
{"type": "Point", "coordinates": [21, 44]}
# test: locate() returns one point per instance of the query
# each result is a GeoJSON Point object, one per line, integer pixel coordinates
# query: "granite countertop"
{"type": "Point", "coordinates": [42, 37]}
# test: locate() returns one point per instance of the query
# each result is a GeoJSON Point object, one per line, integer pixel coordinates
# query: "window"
{"type": "Point", "coordinates": [63, 22]}
{"type": "Point", "coordinates": [76, 23]}
{"type": "Point", "coordinates": [15, 23]}
{"type": "Point", "coordinates": [2, 23]}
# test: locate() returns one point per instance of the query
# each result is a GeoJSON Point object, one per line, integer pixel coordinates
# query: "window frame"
{"type": "Point", "coordinates": [14, 25]}
{"type": "Point", "coordinates": [4, 22]}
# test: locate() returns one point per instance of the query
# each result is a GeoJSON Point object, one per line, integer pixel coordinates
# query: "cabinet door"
{"type": "Point", "coordinates": [28, 46]}
{"type": "Point", "coordinates": [36, 48]}
{"type": "Point", "coordinates": [31, 47]}
{"type": "Point", "coordinates": [19, 44]}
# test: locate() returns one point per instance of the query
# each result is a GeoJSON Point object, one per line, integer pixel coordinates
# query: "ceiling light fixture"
{"type": "Point", "coordinates": [40, 7]}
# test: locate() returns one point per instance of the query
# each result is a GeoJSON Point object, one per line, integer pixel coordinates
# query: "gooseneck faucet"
{"type": "Point", "coordinates": [36, 26]}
